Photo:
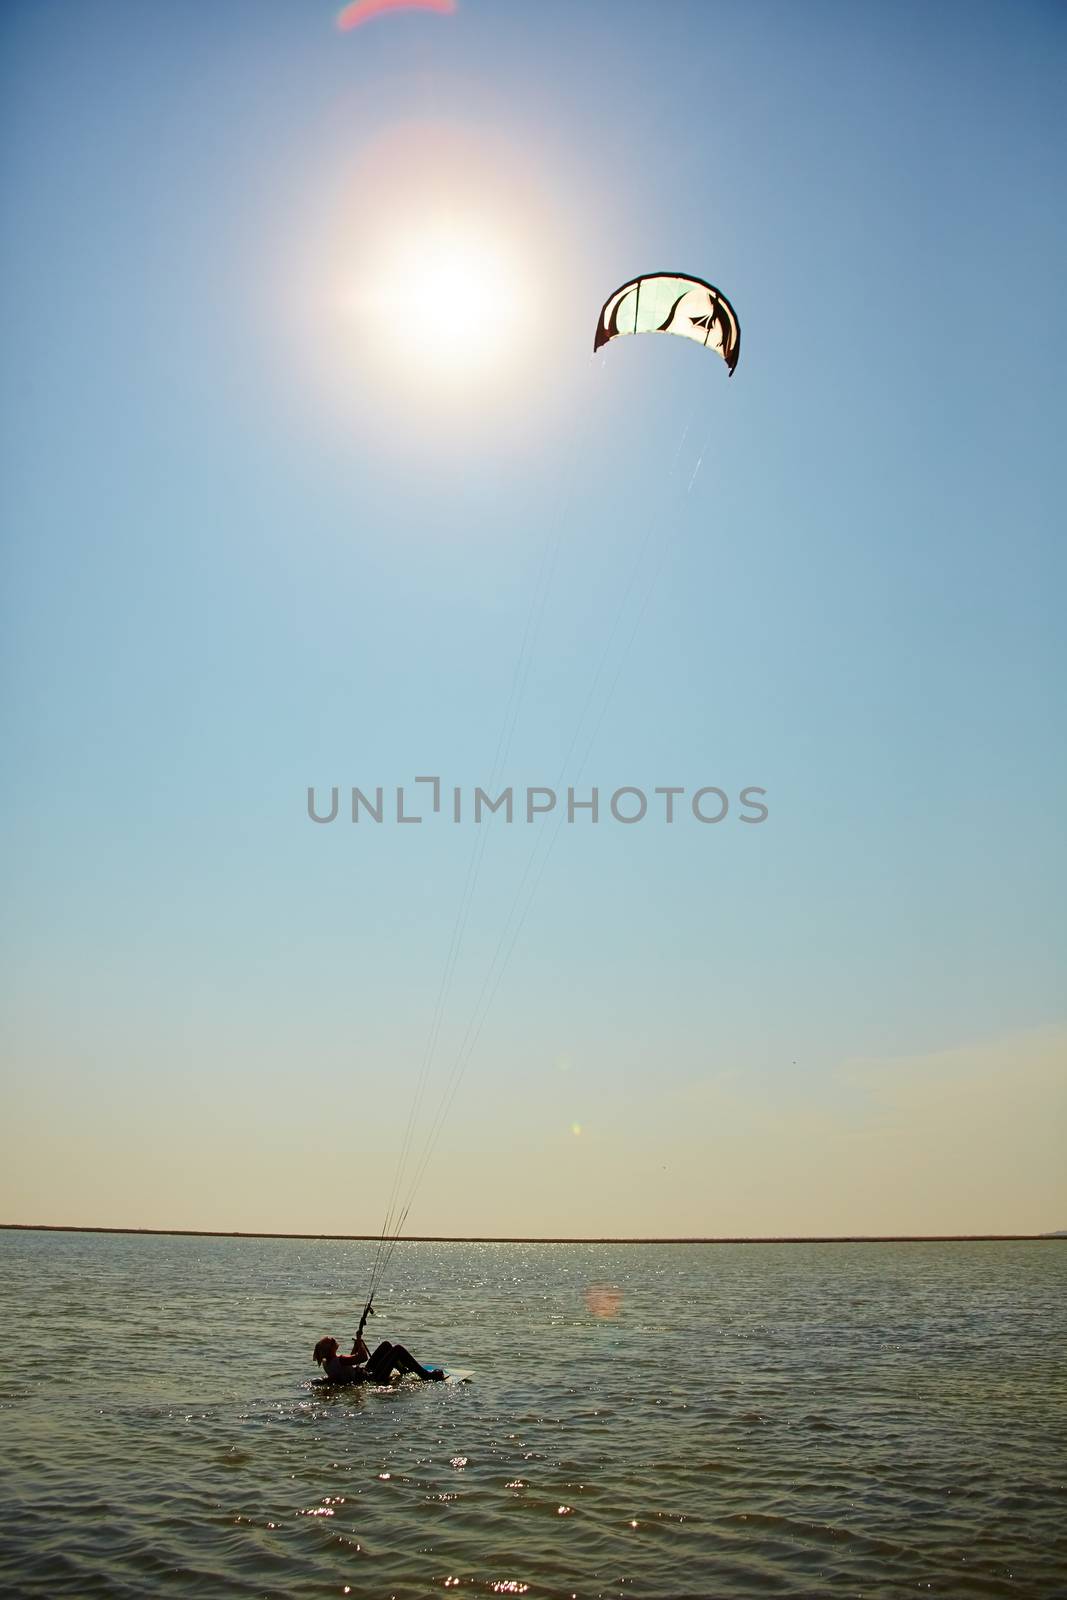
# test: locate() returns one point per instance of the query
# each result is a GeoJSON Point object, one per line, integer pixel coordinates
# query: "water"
{"type": "Point", "coordinates": [824, 1420]}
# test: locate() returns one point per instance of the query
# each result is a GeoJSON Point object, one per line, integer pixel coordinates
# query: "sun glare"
{"type": "Point", "coordinates": [446, 301]}
{"type": "Point", "coordinates": [424, 282]}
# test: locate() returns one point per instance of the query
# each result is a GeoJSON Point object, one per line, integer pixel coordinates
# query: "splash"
{"type": "Point", "coordinates": [360, 11]}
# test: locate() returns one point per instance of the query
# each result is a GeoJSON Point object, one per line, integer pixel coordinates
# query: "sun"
{"type": "Point", "coordinates": [425, 287]}
{"type": "Point", "coordinates": [445, 300]}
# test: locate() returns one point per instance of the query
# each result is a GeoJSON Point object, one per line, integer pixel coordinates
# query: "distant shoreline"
{"type": "Point", "coordinates": [426, 1238]}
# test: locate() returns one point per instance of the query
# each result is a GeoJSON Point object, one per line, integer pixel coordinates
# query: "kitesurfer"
{"type": "Point", "coordinates": [363, 1367]}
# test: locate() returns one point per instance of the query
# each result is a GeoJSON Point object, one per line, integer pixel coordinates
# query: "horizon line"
{"type": "Point", "coordinates": [426, 1238]}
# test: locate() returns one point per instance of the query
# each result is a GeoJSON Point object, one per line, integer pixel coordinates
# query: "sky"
{"type": "Point", "coordinates": [310, 478]}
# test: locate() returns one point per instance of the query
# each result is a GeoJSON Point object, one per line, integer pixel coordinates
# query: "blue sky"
{"type": "Point", "coordinates": [247, 550]}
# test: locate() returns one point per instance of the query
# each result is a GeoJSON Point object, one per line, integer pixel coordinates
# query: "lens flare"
{"type": "Point", "coordinates": [352, 16]}
{"type": "Point", "coordinates": [603, 1299]}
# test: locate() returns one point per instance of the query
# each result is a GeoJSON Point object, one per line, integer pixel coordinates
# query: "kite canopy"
{"type": "Point", "coordinates": [671, 302]}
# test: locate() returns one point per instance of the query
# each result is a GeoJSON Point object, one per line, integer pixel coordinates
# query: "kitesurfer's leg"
{"type": "Point", "coordinates": [380, 1364]}
{"type": "Point", "coordinates": [404, 1361]}
{"type": "Point", "coordinates": [390, 1358]}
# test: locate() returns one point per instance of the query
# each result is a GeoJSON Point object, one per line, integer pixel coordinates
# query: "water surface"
{"type": "Point", "coordinates": [757, 1420]}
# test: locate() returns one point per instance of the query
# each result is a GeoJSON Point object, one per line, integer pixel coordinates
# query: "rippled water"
{"type": "Point", "coordinates": [853, 1420]}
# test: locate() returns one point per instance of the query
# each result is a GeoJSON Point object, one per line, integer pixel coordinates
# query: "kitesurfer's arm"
{"type": "Point", "coordinates": [359, 1349]}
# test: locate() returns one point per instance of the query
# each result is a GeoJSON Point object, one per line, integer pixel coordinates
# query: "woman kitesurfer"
{"type": "Point", "coordinates": [362, 1367]}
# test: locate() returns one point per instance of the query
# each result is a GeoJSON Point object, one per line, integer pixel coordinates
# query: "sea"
{"type": "Point", "coordinates": [656, 1421]}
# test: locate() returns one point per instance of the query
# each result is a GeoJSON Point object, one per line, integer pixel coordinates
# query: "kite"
{"type": "Point", "coordinates": [351, 16]}
{"type": "Point", "coordinates": [672, 302]}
